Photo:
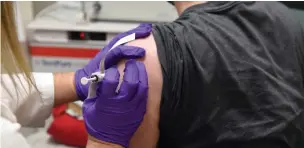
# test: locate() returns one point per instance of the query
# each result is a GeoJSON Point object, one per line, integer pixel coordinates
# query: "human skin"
{"type": "Point", "coordinates": [148, 132]}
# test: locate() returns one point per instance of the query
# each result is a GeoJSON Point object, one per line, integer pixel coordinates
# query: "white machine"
{"type": "Point", "coordinates": [61, 40]}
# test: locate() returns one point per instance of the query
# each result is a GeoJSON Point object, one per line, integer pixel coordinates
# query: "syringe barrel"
{"type": "Point", "coordinates": [98, 75]}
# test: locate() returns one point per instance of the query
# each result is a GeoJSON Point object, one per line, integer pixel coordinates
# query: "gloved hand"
{"type": "Point", "coordinates": [114, 117]}
{"type": "Point", "coordinates": [113, 57]}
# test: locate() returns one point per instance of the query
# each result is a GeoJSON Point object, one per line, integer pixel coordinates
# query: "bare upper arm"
{"type": "Point", "coordinates": [148, 132]}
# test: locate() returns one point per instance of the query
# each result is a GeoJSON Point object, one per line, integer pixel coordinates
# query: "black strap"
{"type": "Point", "coordinates": [171, 2]}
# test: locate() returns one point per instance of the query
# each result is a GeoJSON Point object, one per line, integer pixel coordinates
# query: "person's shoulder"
{"type": "Point", "coordinates": [151, 59]}
{"type": "Point", "coordinates": [147, 43]}
{"type": "Point", "coordinates": [280, 14]}
{"type": "Point", "coordinates": [149, 126]}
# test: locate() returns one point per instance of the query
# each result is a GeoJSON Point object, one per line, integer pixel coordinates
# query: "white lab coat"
{"type": "Point", "coordinates": [24, 108]}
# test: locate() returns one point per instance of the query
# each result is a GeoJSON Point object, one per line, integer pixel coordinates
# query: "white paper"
{"type": "Point", "coordinates": [124, 40]}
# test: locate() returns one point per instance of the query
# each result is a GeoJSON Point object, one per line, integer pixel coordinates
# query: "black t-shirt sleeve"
{"type": "Point", "coordinates": [184, 91]}
{"type": "Point", "coordinates": [172, 61]}
{"type": "Point", "coordinates": [231, 73]}
{"type": "Point", "coordinates": [301, 51]}
{"type": "Point", "coordinates": [298, 31]}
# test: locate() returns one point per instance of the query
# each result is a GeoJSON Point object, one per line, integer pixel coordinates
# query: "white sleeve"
{"type": "Point", "coordinates": [28, 107]}
{"type": "Point", "coordinates": [10, 135]}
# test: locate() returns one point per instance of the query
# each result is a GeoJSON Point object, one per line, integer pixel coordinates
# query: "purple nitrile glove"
{"type": "Point", "coordinates": [120, 52]}
{"type": "Point", "coordinates": [114, 116]}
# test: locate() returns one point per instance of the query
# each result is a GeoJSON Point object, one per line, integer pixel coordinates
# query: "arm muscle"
{"type": "Point", "coordinates": [148, 132]}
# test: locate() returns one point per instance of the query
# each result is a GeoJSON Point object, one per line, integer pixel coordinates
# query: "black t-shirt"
{"type": "Point", "coordinates": [233, 77]}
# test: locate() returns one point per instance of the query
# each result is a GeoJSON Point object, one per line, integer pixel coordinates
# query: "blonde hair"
{"type": "Point", "coordinates": [13, 58]}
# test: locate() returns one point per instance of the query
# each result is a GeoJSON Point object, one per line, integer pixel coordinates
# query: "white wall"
{"type": "Point", "coordinates": [24, 15]}
{"type": "Point", "coordinates": [40, 5]}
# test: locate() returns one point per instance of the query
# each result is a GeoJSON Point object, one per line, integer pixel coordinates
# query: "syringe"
{"type": "Point", "coordinates": [95, 77]}
{"type": "Point", "coordinates": [98, 76]}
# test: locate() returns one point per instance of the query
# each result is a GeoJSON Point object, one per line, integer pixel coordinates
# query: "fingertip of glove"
{"type": "Point", "coordinates": [144, 30]}
{"type": "Point", "coordinates": [133, 51]}
{"type": "Point", "coordinates": [148, 25]}
{"type": "Point", "coordinates": [130, 62]}
{"type": "Point", "coordinates": [112, 74]}
{"type": "Point", "coordinates": [143, 76]}
{"type": "Point", "coordinates": [131, 71]}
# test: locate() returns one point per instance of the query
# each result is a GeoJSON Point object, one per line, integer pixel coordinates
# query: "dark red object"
{"type": "Point", "coordinates": [82, 35]}
{"type": "Point", "coordinates": [63, 52]}
{"type": "Point", "coordinates": [66, 129]}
